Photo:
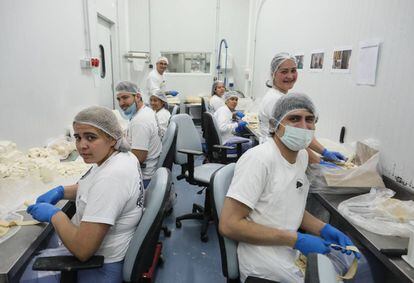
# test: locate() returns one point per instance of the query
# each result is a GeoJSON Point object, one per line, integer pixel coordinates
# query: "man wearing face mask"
{"type": "Point", "coordinates": [143, 130]}
{"type": "Point", "coordinates": [265, 204]}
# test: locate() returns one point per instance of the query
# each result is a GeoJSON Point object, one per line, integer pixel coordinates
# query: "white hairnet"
{"type": "Point", "coordinates": [288, 103]}
{"type": "Point", "coordinates": [160, 95]}
{"type": "Point", "coordinates": [127, 87]}
{"type": "Point", "coordinates": [162, 58]}
{"type": "Point", "coordinates": [214, 86]}
{"type": "Point", "coordinates": [104, 119]}
{"type": "Point", "coordinates": [229, 94]}
{"type": "Point", "coordinates": [278, 60]}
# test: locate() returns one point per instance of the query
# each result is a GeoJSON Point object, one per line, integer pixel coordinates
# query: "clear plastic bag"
{"type": "Point", "coordinates": [377, 212]}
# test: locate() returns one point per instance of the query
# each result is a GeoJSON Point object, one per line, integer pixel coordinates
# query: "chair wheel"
{"type": "Point", "coordinates": [204, 238]}
{"type": "Point", "coordinates": [167, 233]}
{"type": "Point", "coordinates": [178, 224]}
{"type": "Point", "coordinates": [194, 210]}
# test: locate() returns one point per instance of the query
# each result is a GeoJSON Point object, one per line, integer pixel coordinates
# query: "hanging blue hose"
{"type": "Point", "coordinates": [225, 62]}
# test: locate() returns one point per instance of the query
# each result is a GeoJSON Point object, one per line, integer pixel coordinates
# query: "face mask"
{"type": "Point", "coordinates": [297, 138]}
{"type": "Point", "coordinates": [130, 111]}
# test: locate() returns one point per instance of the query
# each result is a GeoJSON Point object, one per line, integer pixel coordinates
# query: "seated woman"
{"type": "Point", "coordinates": [109, 201]}
{"type": "Point", "coordinates": [158, 102]}
{"type": "Point", "coordinates": [229, 121]}
{"type": "Point", "coordinates": [217, 91]}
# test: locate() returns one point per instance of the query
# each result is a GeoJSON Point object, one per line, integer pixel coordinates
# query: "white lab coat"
{"type": "Point", "coordinates": [266, 109]}
{"type": "Point", "coordinates": [216, 102]}
{"type": "Point", "coordinates": [155, 81]}
{"type": "Point", "coordinates": [225, 123]}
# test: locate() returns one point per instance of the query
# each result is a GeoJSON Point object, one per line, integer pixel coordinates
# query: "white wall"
{"type": "Point", "coordinates": [383, 111]}
{"type": "Point", "coordinates": [41, 84]}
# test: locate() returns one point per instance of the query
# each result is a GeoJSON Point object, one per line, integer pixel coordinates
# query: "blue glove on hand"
{"type": "Point", "coordinates": [241, 126]}
{"type": "Point", "coordinates": [239, 114]}
{"type": "Point", "coordinates": [42, 212]}
{"type": "Point", "coordinates": [52, 196]}
{"type": "Point", "coordinates": [311, 244]}
{"type": "Point", "coordinates": [333, 235]}
{"type": "Point", "coordinates": [172, 92]}
{"type": "Point", "coordinates": [329, 164]}
{"type": "Point", "coordinates": [333, 155]}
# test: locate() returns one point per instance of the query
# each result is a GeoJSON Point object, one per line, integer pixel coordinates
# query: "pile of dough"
{"type": "Point", "coordinates": [62, 146]}
{"type": "Point", "coordinates": [193, 99]}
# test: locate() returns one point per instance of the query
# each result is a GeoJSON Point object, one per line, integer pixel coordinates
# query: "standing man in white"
{"type": "Point", "coordinates": [156, 79]}
{"type": "Point", "coordinates": [143, 130]}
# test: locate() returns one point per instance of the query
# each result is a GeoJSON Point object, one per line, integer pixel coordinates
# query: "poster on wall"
{"type": "Point", "coordinates": [367, 62]}
{"type": "Point", "coordinates": [299, 60]}
{"type": "Point", "coordinates": [341, 59]}
{"type": "Point", "coordinates": [317, 59]}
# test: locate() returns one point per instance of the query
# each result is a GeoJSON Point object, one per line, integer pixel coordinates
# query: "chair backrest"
{"type": "Point", "coordinates": [211, 134]}
{"type": "Point", "coordinates": [175, 110]}
{"type": "Point", "coordinates": [187, 137]}
{"type": "Point", "coordinates": [228, 248]}
{"type": "Point", "coordinates": [319, 269]}
{"type": "Point", "coordinates": [141, 249]}
{"type": "Point", "coordinates": [166, 158]}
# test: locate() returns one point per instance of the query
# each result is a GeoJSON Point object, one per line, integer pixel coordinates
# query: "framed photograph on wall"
{"type": "Point", "coordinates": [317, 60]}
{"type": "Point", "coordinates": [341, 57]}
{"type": "Point", "coordinates": [299, 60]}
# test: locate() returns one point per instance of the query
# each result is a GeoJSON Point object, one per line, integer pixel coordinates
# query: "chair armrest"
{"type": "Point", "coordinates": [223, 146]}
{"type": "Point", "coordinates": [252, 279]}
{"type": "Point", "coordinates": [189, 151]}
{"type": "Point", "coordinates": [67, 263]}
{"type": "Point", "coordinates": [239, 142]}
{"type": "Point", "coordinates": [190, 164]}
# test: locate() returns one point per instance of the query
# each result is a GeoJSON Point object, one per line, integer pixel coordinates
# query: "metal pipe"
{"type": "Point", "coordinates": [225, 61]}
{"type": "Point", "coordinates": [87, 32]}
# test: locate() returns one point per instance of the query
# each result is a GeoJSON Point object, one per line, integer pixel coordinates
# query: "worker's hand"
{"type": "Point", "coordinates": [333, 235]}
{"type": "Point", "coordinates": [329, 164]}
{"type": "Point", "coordinates": [42, 212]}
{"type": "Point", "coordinates": [239, 114]}
{"type": "Point", "coordinates": [333, 155]}
{"type": "Point", "coordinates": [311, 244]}
{"type": "Point", "coordinates": [240, 126]}
{"type": "Point", "coordinates": [52, 196]}
{"type": "Point", "coordinates": [172, 93]}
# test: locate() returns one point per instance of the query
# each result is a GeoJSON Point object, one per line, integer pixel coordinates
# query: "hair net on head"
{"type": "Point", "coordinates": [214, 86]}
{"type": "Point", "coordinates": [127, 87]}
{"type": "Point", "coordinates": [162, 58]}
{"type": "Point", "coordinates": [160, 95]}
{"type": "Point", "coordinates": [228, 94]}
{"type": "Point", "coordinates": [104, 119]}
{"type": "Point", "coordinates": [288, 103]}
{"type": "Point", "coordinates": [278, 60]}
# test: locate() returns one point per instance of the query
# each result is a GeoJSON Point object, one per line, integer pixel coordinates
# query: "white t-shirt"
{"type": "Point", "coordinates": [143, 135]}
{"type": "Point", "coordinates": [225, 123]}
{"type": "Point", "coordinates": [216, 102]}
{"type": "Point", "coordinates": [112, 194]}
{"type": "Point", "coordinates": [266, 109]}
{"type": "Point", "coordinates": [155, 81]}
{"type": "Point", "coordinates": [163, 116]}
{"type": "Point", "coordinates": [268, 184]}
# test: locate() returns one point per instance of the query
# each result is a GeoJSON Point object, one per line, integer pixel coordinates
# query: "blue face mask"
{"type": "Point", "coordinates": [130, 111]}
{"type": "Point", "coordinates": [297, 138]}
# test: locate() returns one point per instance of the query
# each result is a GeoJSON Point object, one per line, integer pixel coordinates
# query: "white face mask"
{"type": "Point", "coordinates": [297, 138]}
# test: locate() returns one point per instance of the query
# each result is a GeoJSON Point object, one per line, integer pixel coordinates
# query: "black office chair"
{"type": "Point", "coordinates": [220, 183]}
{"type": "Point", "coordinates": [143, 251]}
{"type": "Point", "coordinates": [188, 145]}
{"type": "Point", "coordinates": [216, 151]}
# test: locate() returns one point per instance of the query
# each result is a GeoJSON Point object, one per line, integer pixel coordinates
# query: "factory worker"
{"type": "Point", "coordinates": [158, 102]}
{"type": "Point", "coordinates": [143, 129]}
{"type": "Point", "coordinates": [229, 121]}
{"type": "Point", "coordinates": [217, 92]}
{"type": "Point", "coordinates": [156, 79]}
{"type": "Point", "coordinates": [283, 76]}
{"type": "Point", "coordinates": [108, 199]}
{"type": "Point", "coordinates": [265, 204]}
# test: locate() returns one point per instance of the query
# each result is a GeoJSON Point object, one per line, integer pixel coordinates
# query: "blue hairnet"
{"type": "Point", "coordinates": [104, 119]}
{"type": "Point", "coordinates": [288, 103]}
{"type": "Point", "coordinates": [127, 87]}
{"type": "Point", "coordinates": [160, 95]}
{"type": "Point", "coordinates": [278, 60]}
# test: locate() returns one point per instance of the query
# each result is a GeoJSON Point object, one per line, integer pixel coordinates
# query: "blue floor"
{"type": "Point", "coordinates": [187, 258]}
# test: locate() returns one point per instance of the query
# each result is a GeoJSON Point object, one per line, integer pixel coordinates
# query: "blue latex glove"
{"type": "Point", "coordinates": [333, 235]}
{"type": "Point", "coordinates": [42, 212]}
{"type": "Point", "coordinates": [52, 196]}
{"type": "Point", "coordinates": [311, 244]}
{"type": "Point", "coordinates": [173, 93]}
{"type": "Point", "coordinates": [239, 114]}
{"type": "Point", "coordinates": [329, 164]}
{"type": "Point", "coordinates": [333, 155]}
{"type": "Point", "coordinates": [240, 126]}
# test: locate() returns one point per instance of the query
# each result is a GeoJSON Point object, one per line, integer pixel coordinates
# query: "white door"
{"type": "Point", "coordinates": [106, 90]}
